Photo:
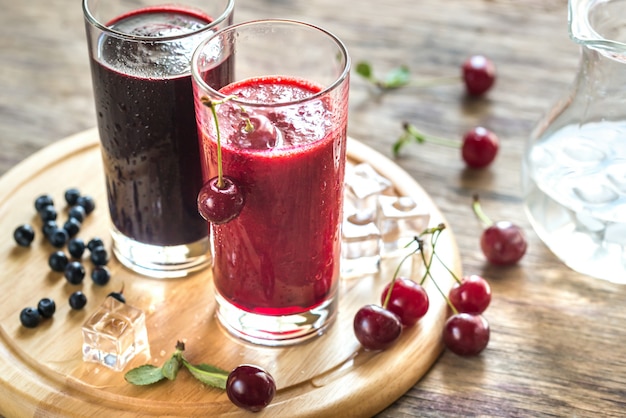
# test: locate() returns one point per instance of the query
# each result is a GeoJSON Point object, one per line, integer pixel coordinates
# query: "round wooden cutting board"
{"type": "Point", "coordinates": [42, 372]}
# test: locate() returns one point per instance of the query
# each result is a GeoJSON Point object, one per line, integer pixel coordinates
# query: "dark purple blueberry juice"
{"type": "Point", "coordinates": [144, 105]}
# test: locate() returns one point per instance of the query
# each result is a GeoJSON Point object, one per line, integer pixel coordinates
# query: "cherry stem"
{"type": "Point", "coordinates": [412, 134]}
{"type": "Point", "coordinates": [454, 276]}
{"type": "Point", "coordinates": [433, 242]}
{"type": "Point", "coordinates": [213, 105]}
{"type": "Point", "coordinates": [480, 214]}
{"type": "Point", "coordinates": [434, 232]}
{"type": "Point", "coordinates": [395, 274]}
{"type": "Point", "coordinates": [453, 79]}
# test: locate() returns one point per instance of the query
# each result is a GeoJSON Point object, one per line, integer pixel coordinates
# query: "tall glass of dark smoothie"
{"type": "Point", "coordinates": [140, 62]}
{"type": "Point", "coordinates": [282, 125]}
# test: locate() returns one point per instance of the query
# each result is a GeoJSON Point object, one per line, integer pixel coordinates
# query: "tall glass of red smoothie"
{"type": "Point", "coordinates": [282, 125]}
{"type": "Point", "coordinates": [140, 62]}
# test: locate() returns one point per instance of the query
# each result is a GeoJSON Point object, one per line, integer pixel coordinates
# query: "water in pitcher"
{"type": "Point", "coordinates": [576, 196]}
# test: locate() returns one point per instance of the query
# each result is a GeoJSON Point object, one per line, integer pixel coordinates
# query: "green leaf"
{"type": "Point", "coordinates": [364, 70]}
{"type": "Point", "coordinates": [171, 367]}
{"type": "Point", "coordinates": [144, 375]}
{"type": "Point", "coordinates": [397, 77]}
{"type": "Point", "coordinates": [207, 374]}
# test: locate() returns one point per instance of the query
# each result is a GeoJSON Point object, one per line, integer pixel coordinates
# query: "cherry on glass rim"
{"type": "Point", "coordinates": [479, 74]}
{"type": "Point", "coordinates": [479, 147]}
{"type": "Point", "coordinates": [217, 204]}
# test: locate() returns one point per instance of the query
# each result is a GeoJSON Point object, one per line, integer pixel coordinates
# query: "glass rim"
{"type": "Point", "coordinates": [583, 32]}
{"type": "Point", "coordinates": [87, 13]}
{"type": "Point", "coordinates": [196, 76]}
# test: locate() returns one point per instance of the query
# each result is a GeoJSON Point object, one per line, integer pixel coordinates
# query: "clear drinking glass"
{"type": "Point", "coordinates": [574, 167]}
{"type": "Point", "coordinates": [140, 55]}
{"type": "Point", "coordinates": [283, 142]}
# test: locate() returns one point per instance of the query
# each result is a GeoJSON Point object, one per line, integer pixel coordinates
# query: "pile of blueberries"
{"type": "Point", "coordinates": [60, 236]}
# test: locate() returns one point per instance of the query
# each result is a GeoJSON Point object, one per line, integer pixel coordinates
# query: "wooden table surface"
{"type": "Point", "coordinates": [557, 337]}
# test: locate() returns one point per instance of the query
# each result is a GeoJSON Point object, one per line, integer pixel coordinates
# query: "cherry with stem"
{"type": "Point", "coordinates": [465, 334]}
{"type": "Point", "coordinates": [404, 297]}
{"type": "Point", "coordinates": [479, 146]}
{"type": "Point", "coordinates": [220, 199]}
{"type": "Point", "coordinates": [503, 243]}
{"type": "Point", "coordinates": [478, 74]}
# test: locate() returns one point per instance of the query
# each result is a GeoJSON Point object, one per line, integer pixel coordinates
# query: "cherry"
{"type": "Point", "coordinates": [480, 147]}
{"type": "Point", "coordinates": [472, 295]}
{"type": "Point", "coordinates": [250, 387]}
{"type": "Point", "coordinates": [479, 74]}
{"type": "Point", "coordinates": [376, 328]}
{"type": "Point", "coordinates": [408, 300]}
{"type": "Point", "coordinates": [466, 334]}
{"type": "Point", "coordinates": [503, 243]}
{"type": "Point", "coordinates": [220, 204]}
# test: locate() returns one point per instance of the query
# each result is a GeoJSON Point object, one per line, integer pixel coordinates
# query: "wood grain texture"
{"type": "Point", "coordinates": [557, 336]}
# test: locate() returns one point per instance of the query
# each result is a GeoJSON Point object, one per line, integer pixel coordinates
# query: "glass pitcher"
{"type": "Point", "coordinates": [574, 166]}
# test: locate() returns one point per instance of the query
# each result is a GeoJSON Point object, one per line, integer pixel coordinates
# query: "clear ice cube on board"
{"type": "Point", "coordinates": [114, 334]}
{"type": "Point", "coordinates": [400, 219]}
{"type": "Point", "coordinates": [363, 185]}
{"type": "Point", "coordinates": [360, 245]}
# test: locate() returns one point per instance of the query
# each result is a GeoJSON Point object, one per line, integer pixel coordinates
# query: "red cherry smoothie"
{"type": "Point", "coordinates": [280, 256]}
{"type": "Point", "coordinates": [146, 120]}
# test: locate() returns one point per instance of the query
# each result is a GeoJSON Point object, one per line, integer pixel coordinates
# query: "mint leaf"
{"type": "Point", "coordinates": [144, 375]}
{"type": "Point", "coordinates": [171, 367]}
{"type": "Point", "coordinates": [207, 374]}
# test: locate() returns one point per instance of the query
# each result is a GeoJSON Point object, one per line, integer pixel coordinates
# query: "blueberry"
{"type": "Point", "coordinates": [72, 226]}
{"type": "Point", "coordinates": [99, 256]}
{"type": "Point", "coordinates": [78, 300]}
{"type": "Point", "coordinates": [49, 227]}
{"type": "Point", "coordinates": [58, 237]}
{"type": "Point", "coordinates": [100, 275]}
{"type": "Point", "coordinates": [71, 196]}
{"type": "Point", "coordinates": [87, 203]}
{"type": "Point", "coordinates": [95, 242]}
{"type": "Point", "coordinates": [30, 317]}
{"type": "Point", "coordinates": [48, 213]}
{"type": "Point", "coordinates": [76, 247]}
{"type": "Point", "coordinates": [24, 235]}
{"type": "Point", "coordinates": [74, 272]}
{"type": "Point", "coordinates": [58, 261]}
{"type": "Point", "coordinates": [42, 201]}
{"type": "Point", "coordinates": [46, 307]}
{"type": "Point", "coordinates": [118, 295]}
{"type": "Point", "coordinates": [77, 212]}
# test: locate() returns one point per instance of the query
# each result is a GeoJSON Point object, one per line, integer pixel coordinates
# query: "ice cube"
{"type": "Point", "coordinates": [360, 245]}
{"type": "Point", "coordinates": [400, 219]}
{"type": "Point", "coordinates": [363, 185]}
{"type": "Point", "coordinates": [114, 334]}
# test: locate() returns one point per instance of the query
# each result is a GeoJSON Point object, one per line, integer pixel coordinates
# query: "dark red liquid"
{"type": "Point", "coordinates": [280, 256]}
{"type": "Point", "coordinates": [148, 130]}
